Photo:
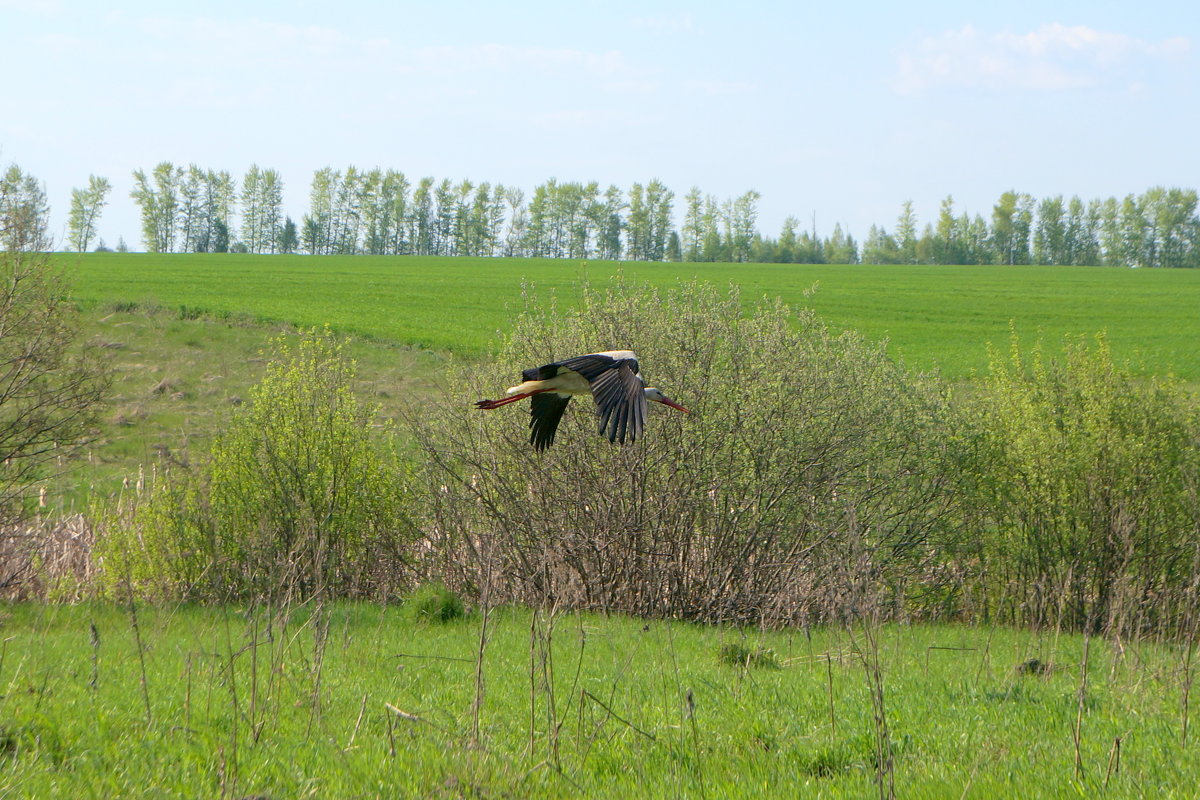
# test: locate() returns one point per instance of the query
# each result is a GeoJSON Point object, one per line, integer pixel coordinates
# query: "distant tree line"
{"type": "Point", "coordinates": [381, 212]}
{"type": "Point", "coordinates": [1158, 228]}
{"type": "Point", "coordinates": [191, 210]}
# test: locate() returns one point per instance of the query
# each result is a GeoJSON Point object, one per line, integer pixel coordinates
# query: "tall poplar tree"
{"type": "Point", "coordinates": [421, 220]}
{"type": "Point", "coordinates": [86, 205]}
{"type": "Point", "coordinates": [444, 214]}
{"type": "Point", "coordinates": [24, 212]}
{"type": "Point", "coordinates": [252, 212]}
{"type": "Point", "coordinates": [271, 209]}
{"type": "Point", "coordinates": [397, 188]}
{"type": "Point", "coordinates": [659, 203]}
{"type": "Point", "coordinates": [1003, 230]}
{"type": "Point", "coordinates": [743, 221]}
{"type": "Point", "coordinates": [318, 225]}
{"type": "Point", "coordinates": [692, 238]}
{"type": "Point", "coordinates": [906, 233]}
{"type": "Point", "coordinates": [1050, 238]}
{"type": "Point", "coordinates": [518, 222]}
{"type": "Point", "coordinates": [194, 212]}
{"type": "Point", "coordinates": [637, 225]}
{"type": "Point", "coordinates": [157, 195]}
{"type": "Point", "coordinates": [611, 224]}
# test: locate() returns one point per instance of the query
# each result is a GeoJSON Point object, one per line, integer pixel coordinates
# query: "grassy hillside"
{"type": "Point", "coordinates": [226, 702]}
{"type": "Point", "coordinates": [177, 381]}
{"type": "Point", "coordinates": [933, 316]}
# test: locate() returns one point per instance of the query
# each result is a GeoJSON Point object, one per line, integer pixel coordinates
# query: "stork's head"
{"type": "Point", "coordinates": [655, 394]}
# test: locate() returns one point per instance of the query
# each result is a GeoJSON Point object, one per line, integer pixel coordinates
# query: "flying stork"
{"type": "Point", "coordinates": [611, 377]}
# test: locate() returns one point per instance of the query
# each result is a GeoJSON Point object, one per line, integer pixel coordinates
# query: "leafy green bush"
{"type": "Point", "coordinates": [302, 495]}
{"type": "Point", "coordinates": [433, 602]}
{"type": "Point", "coordinates": [1086, 481]}
{"type": "Point", "coordinates": [808, 481]}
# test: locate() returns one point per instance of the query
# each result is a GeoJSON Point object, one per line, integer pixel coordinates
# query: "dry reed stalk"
{"type": "Point", "coordinates": [187, 694]}
{"type": "Point", "coordinates": [884, 763]}
{"type": "Point", "coordinates": [94, 640]}
{"type": "Point", "coordinates": [1114, 760]}
{"type": "Point", "coordinates": [231, 773]}
{"type": "Point", "coordinates": [358, 723]}
{"type": "Point", "coordinates": [320, 639]}
{"type": "Point", "coordinates": [46, 554]}
{"type": "Point", "coordinates": [1077, 731]}
{"type": "Point", "coordinates": [615, 715]}
{"type": "Point", "coordinates": [485, 605]}
{"type": "Point", "coordinates": [414, 718]}
{"type": "Point", "coordinates": [1189, 652]}
{"type": "Point", "coordinates": [832, 713]}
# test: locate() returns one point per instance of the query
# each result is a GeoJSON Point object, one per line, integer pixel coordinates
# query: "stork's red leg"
{"type": "Point", "coordinates": [487, 405]}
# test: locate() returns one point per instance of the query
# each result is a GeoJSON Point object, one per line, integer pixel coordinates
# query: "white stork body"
{"type": "Point", "coordinates": [568, 382]}
{"type": "Point", "coordinates": [609, 376]}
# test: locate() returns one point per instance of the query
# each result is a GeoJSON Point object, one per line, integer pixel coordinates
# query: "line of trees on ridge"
{"type": "Point", "coordinates": [381, 212]}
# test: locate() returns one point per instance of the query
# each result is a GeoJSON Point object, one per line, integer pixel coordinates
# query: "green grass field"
{"type": "Point", "coordinates": [933, 316]}
{"type": "Point", "coordinates": [229, 706]}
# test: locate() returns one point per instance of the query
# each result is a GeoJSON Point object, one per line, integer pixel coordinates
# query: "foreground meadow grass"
{"type": "Point", "coordinates": [941, 317]}
{"type": "Point", "coordinates": [359, 701]}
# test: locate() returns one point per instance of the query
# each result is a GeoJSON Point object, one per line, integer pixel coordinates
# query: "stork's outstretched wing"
{"type": "Point", "coordinates": [545, 411]}
{"type": "Point", "coordinates": [590, 366]}
{"type": "Point", "coordinates": [620, 402]}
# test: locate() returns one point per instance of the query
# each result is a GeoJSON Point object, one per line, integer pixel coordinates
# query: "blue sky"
{"type": "Point", "coordinates": [842, 110]}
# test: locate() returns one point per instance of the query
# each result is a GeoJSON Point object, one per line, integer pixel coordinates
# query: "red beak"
{"type": "Point", "coordinates": [674, 405]}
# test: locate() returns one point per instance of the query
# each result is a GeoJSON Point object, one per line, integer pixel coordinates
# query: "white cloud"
{"type": "Point", "coordinates": [1054, 56]}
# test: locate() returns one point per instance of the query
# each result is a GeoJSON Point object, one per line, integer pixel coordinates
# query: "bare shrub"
{"type": "Point", "coordinates": [51, 389]}
{"type": "Point", "coordinates": [808, 480]}
{"type": "Point", "coordinates": [51, 385]}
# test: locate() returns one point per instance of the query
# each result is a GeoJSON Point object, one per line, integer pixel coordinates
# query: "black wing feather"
{"type": "Point", "coordinates": [620, 403]}
{"type": "Point", "coordinates": [542, 373]}
{"type": "Point", "coordinates": [594, 365]}
{"type": "Point", "coordinates": [545, 412]}
{"type": "Point", "coordinates": [590, 367]}
{"type": "Point", "coordinates": [607, 392]}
